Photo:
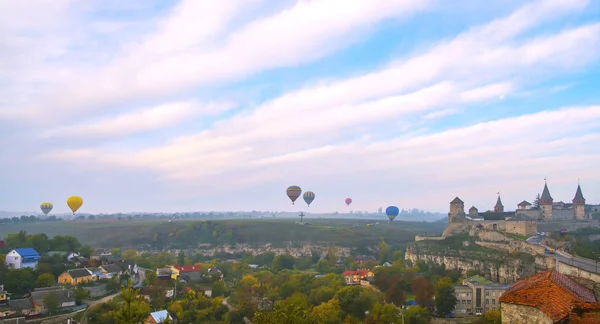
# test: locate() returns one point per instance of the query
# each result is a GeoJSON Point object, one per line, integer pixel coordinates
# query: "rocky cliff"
{"type": "Point", "coordinates": [498, 266]}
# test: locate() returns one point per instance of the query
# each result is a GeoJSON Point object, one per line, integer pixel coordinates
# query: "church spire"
{"type": "Point", "coordinates": [546, 198]}
{"type": "Point", "coordinates": [578, 196]}
{"type": "Point", "coordinates": [499, 207]}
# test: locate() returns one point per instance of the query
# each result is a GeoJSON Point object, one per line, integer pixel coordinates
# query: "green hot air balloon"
{"type": "Point", "coordinates": [293, 192]}
{"type": "Point", "coordinates": [309, 196]}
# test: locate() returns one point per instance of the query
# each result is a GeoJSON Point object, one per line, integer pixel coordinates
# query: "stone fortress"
{"type": "Point", "coordinates": [523, 221]}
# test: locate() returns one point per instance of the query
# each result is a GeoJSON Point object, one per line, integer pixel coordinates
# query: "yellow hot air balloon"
{"type": "Point", "coordinates": [74, 202]}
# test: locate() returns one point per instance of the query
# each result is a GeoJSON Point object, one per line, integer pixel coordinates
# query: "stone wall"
{"type": "Point", "coordinates": [528, 228]}
{"type": "Point", "coordinates": [516, 314]}
{"type": "Point", "coordinates": [569, 225]}
{"type": "Point", "coordinates": [570, 270]}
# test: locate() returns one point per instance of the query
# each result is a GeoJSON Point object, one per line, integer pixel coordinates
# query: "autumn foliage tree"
{"type": "Point", "coordinates": [423, 291]}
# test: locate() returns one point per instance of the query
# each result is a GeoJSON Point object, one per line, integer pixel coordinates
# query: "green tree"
{"type": "Point", "coordinates": [327, 313]}
{"type": "Point", "coordinates": [493, 317]}
{"type": "Point", "coordinates": [445, 299]}
{"type": "Point", "coordinates": [134, 309]}
{"type": "Point", "coordinates": [417, 315]}
{"type": "Point", "coordinates": [19, 281]}
{"type": "Point", "coordinates": [151, 276]}
{"type": "Point", "coordinates": [46, 280]}
{"type": "Point", "coordinates": [50, 302]}
{"type": "Point", "coordinates": [284, 261]}
{"type": "Point", "coordinates": [384, 251]}
{"type": "Point", "coordinates": [181, 258]}
{"type": "Point", "coordinates": [80, 295]}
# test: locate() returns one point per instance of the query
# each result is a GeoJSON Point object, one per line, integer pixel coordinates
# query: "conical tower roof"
{"type": "Point", "coordinates": [499, 203]}
{"type": "Point", "coordinates": [578, 196]}
{"type": "Point", "coordinates": [546, 197]}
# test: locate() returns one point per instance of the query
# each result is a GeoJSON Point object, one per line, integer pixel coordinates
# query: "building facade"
{"type": "Point", "coordinates": [22, 258]}
{"type": "Point", "coordinates": [477, 295]}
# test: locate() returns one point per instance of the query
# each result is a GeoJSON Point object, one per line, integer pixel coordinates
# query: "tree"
{"type": "Point", "coordinates": [417, 315]}
{"type": "Point", "coordinates": [19, 281]}
{"type": "Point", "coordinates": [51, 302]}
{"type": "Point", "coordinates": [81, 294]}
{"type": "Point", "coordinates": [284, 261]}
{"type": "Point", "coordinates": [134, 309]}
{"type": "Point", "coordinates": [181, 259]}
{"type": "Point", "coordinates": [423, 291]}
{"type": "Point", "coordinates": [536, 201]}
{"type": "Point", "coordinates": [445, 299]}
{"type": "Point", "coordinates": [46, 280]}
{"type": "Point", "coordinates": [384, 251]}
{"type": "Point", "coordinates": [327, 313]}
{"type": "Point", "coordinates": [493, 317]}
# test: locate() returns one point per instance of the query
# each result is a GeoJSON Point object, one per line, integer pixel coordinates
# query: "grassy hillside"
{"type": "Point", "coordinates": [183, 233]}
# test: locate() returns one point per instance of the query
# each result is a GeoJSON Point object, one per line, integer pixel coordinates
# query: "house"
{"type": "Point", "coordinates": [109, 271]}
{"type": "Point", "coordinates": [164, 273]}
{"type": "Point", "coordinates": [76, 276]}
{"type": "Point", "coordinates": [546, 297]}
{"type": "Point", "coordinates": [215, 273]}
{"type": "Point", "coordinates": [98, 254]}
{"type": "Point", "coordinates": [355, 277]}
{"type": "Point", "coordinates": [22, 258]}
{"type": "Point", "coordinates": [2, 244]}
{"type": "Point", "coordinates": [128, 267]}
{"type": "Point", "coordinates": [65, 298]}
{"type": "Point", "coordinates": [23, 306]}
{"type": "Point", "coordinates": [189, 273]}
{"type": "Point", "coordinates": [158, 317]}
{"type": "Point", "coordinates": [73, 257]}
{"type": "Point", "coordinates": [477, 295]}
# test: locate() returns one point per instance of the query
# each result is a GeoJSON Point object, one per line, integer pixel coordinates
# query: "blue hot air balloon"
{"type": "Point", "coordinates": [309, 196]}
{"type": "Point", "coordinates": [392, 212]}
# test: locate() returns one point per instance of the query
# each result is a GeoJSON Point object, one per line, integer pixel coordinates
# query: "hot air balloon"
{"type": "Point", "coordinates": [309, 196]}
{"type": "Point", "coordinates": [392, 212]}
{"type": "Point", "coordinates": [46, 207]}
{"type": "Point", "coordinates": [348, 201]}
{"type": "Point", "coordinates": [293, 192]}
{"type": "Point", "coordinates": [74, 203]}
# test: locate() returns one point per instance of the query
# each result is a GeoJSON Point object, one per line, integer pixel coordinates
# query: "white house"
{"type": "Point", "coordinates": [22, 258]}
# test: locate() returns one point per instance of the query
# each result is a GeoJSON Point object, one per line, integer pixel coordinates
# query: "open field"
{"type": "Point", "coordinates": [183, 233]}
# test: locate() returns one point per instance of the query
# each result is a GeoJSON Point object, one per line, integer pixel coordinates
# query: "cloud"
{"type": "Point", "coordinates": [140, 121]}
{"type": "Point", "coordinates": [295, 35]}
{"type": "Point", "coordinates": [381, 135]}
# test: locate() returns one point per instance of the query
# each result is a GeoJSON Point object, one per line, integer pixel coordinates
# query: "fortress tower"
{"type": "Point", "coordinates": [579, 204]}
{"type": "Point", "coordinates": [499, 207]}
{"type": "Point", "coordinates": [457, 209]}
{"type": "Point", "coordinates": [546, 203]}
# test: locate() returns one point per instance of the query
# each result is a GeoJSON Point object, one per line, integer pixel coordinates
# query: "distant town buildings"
{"type": "Point", "coordinates": [477, 295]}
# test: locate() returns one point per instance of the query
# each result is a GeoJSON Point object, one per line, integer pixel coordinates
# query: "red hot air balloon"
{"type": "Point", "coordinates": [293, 192]}
{"type": "Point", "coordinates": [348, 201]}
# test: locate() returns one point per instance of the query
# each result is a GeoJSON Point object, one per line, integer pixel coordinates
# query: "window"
{"type": "Point", "coordinates": [487, 301]}
{"type": "Point", "coordinates": [493, 294]}
{"type": "Point", "coordinates": [487, 294]}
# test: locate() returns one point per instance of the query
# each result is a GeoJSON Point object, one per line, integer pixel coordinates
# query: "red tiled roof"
{"type": "Point", "coordinates": [348, 273]}
{"type": "Point", "coordinates": [362, 272]}
{"type": "Point", "coordinates": [550, 292]}
{"type": "Point", "coordinates": [359, 272]}
{"type": "Point", "coordinates": [184, 269]}
{"type": "Point", "coordinates": [585, 313]}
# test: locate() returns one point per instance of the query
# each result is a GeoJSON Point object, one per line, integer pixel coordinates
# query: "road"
{"type": "Point", "coordinates": [566, 258]}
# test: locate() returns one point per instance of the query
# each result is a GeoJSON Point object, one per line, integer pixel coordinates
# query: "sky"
{"type": "Point", "coordinates": [198, 105]}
